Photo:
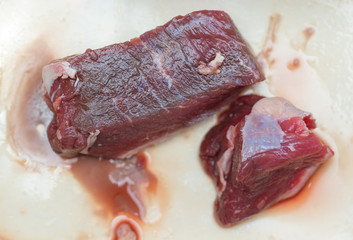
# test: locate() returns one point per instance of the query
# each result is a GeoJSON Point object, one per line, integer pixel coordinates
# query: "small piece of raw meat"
{"type": "Point", "coordinates": [262, 151]}
{"type": "Point", "coordinates": [113, 101]}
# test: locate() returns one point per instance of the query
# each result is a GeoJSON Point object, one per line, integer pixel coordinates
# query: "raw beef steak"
{"type": "Point", "coordinates": [262, 151]}
{"type": "Point", "coordinates": [113, 101]}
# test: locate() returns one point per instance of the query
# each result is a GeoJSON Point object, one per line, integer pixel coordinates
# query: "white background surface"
{"type": "Point", "coordinates": [47, 203]}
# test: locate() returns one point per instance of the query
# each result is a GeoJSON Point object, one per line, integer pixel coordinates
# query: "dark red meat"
{"type": "Point", "coordinates": [262, 151]}
{"type": "Point", "coordinates": [115, 100]}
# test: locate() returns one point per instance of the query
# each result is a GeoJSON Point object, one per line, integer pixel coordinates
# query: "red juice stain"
{"type": "Point", "coordinates": [308, 34]}
{"type": "Point", "coordinates": [294, 64]}
{"type": "Point", "coordinates": [116, 185]}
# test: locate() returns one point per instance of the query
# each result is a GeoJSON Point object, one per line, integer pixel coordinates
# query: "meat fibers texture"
{"type": "Point", "coordinates": [114, 101]}
{"type": "Point", "coordinates": [262, 151]}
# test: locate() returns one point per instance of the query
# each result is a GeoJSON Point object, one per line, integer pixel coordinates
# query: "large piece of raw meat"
{"type": "Point", "coordinates": [113, 101]}
{"type": "Point", "coordinates": [262, 151]}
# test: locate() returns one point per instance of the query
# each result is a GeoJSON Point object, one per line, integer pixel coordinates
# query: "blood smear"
{"type": "Point", "coordinates": [116, 185]}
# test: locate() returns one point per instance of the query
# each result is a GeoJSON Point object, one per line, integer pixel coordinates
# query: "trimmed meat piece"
{"type": "Point", "coordinates": [262, 151]}
{"type": "Point", "coordinates": [113, 101]}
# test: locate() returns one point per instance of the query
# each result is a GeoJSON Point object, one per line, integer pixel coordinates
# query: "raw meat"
{"type": "Point", "coordinates": [113, 101]}
{"type": "Point", "coordinates": [262, 151]}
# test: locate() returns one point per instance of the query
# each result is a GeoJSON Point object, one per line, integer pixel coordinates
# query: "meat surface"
{"type": "Point", "coordinates": [262, 151]}
{"type": "Point", "coordinates": [113, 101]}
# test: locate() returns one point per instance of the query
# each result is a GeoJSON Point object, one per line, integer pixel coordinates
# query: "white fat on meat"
{"type": "Point", "coordinates": [90, 141]}
{"type": "Point", "coordinates": [56, 70]}
{"type": "Point", "coordinates": [262, 131]}
{"type": "Point", "coordinates": [307, 173]}
{"type": "Point", "coordinates": [212, 67]}
{"type": "Point", "coordinates": [278, 108]}
{"type": "Point", "coordinates": [224, 162]}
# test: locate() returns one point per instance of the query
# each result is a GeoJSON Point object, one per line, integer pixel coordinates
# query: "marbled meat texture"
{"type": "Point", "coordinates": [262, 151]}
{"type": "Point", "coordinates": [113, 101]}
